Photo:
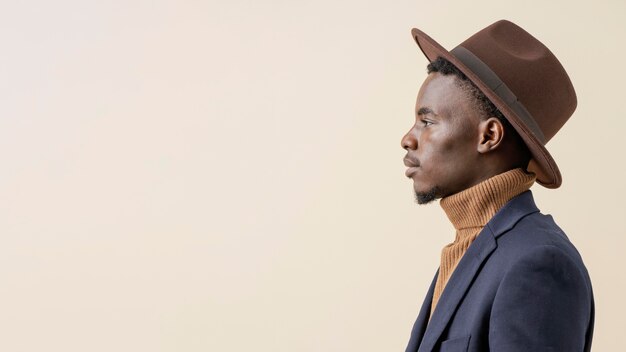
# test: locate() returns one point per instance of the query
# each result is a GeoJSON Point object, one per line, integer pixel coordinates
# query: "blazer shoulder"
{"type": "Point", "coordinates": [528, 231]}
{"type": "Point", "coordinates": [521, 216]}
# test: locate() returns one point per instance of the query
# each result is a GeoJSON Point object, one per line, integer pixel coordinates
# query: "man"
{"type": "Point", "coordinates": [511, 280]}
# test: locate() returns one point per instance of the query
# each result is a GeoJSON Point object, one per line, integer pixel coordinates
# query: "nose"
{"type": "Point", "coordinates": [409, 141]}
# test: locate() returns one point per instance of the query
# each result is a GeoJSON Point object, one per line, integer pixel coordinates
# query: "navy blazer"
{"type": "Point", "coordinates": [521, 286]}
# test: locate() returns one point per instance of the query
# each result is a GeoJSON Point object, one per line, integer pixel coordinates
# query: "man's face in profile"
{"type": "Point", "coordinates": [442, 144]}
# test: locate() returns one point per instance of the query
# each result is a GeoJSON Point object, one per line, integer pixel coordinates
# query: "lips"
{"type": "Point", "coordinates": [410, 171]}
{"type": "Point", "coordinates": [412, 166]}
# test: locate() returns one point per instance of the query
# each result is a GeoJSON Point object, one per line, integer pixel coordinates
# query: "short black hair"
{"type": "Point", "coordinates": [485, 107]}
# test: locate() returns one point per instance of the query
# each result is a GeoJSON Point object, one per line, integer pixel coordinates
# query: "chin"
{"type": "Point", "coordinates": [428, 195]}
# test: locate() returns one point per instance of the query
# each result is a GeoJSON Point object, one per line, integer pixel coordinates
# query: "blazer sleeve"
{"type": "Point", "coordinates": [543, 304]}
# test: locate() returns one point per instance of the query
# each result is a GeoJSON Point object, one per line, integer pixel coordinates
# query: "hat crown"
{"type": "Point", "coordinates": [530, 70]}
{"type": "Point", "coordinates": [525, 47]}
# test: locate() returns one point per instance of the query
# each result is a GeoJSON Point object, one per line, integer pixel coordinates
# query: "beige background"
{"type": "Point", "coordinates": [201, 176]}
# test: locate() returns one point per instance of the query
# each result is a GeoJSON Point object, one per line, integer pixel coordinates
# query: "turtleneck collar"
{"type": "Point", "coordinates": [469, 211]}
{"type": "Point", "coordinates": [473, 207]}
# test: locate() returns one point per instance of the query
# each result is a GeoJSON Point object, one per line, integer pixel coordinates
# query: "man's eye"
{"type": "Point", "coordinates": [426, 123]}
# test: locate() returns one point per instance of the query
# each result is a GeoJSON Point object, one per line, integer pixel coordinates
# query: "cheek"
{"type": "Point", "coordinates": [445, 153]}
{"type": "Point", "coordinates": [432, 154]}
{"type": "Point", "coordinates": [437, 145]}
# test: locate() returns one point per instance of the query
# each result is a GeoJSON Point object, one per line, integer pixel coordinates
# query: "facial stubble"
{"type": "Point", "coordinates": [428, 196]}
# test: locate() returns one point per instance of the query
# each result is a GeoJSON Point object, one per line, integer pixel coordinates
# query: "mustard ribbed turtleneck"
{"type": "Point", "coordinates": [469, 211]}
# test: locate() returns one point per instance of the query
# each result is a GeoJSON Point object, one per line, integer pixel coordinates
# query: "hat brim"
{"type": "Point", "coordinates": [542, 163]}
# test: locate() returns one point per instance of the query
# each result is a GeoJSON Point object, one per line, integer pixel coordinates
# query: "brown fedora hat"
{"type": "Point", "coordinates": [522, 78]}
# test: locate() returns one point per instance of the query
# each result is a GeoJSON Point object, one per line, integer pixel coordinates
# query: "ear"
{"type": "Point", "coordinates": [490, 135]}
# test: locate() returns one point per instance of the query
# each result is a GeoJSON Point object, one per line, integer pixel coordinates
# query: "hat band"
{"type": "Point", "coordinates": [494, 82]}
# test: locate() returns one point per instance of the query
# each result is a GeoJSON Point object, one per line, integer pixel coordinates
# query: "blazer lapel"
{"type": "Point", "coordinates": [422, 319]}
{"type": "Point", "coordinates": [456, 287]}
{"type": "Point", "coordinates": [470, 263]}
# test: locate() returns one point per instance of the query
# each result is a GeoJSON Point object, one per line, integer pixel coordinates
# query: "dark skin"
{"type": "Point", "coordinates": [451, 147]}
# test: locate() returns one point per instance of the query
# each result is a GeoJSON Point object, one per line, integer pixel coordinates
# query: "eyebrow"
{"type": "Point", "coordinates": [425, 111]}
